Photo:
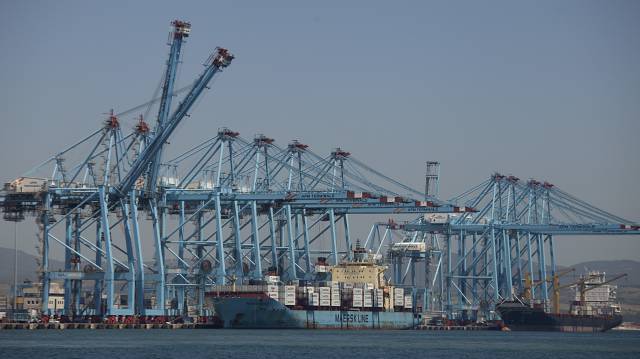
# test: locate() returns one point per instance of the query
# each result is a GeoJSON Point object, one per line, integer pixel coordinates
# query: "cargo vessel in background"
{"type": "Point", "coordinates": [350, 295]}
{"type": "Point", "coordinates": [594, 309]}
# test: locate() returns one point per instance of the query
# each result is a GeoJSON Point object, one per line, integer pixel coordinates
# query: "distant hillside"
{"type": "Point", "coordinates": [632, 268]}
{"type": "Point", "coordinates": [27, 266]}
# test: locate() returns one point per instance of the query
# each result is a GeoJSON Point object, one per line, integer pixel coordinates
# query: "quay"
{"type": "Point", "coordinates": [65, 326]}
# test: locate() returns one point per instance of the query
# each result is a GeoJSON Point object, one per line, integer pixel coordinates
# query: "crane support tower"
{"type": "Point", "coordinates": [432, 179]}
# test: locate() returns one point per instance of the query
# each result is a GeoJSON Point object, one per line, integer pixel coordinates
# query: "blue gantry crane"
{"type": "Point", "coordinates": [148, 236]}
{"type": "Point", "coordinates": [228, 210]}
{"type": "Point", "coordinates": [485, 256]}
{"type": "Point", "coordinates": [181, 30]}
{"type": "Point", "coordinates": [110, 180]}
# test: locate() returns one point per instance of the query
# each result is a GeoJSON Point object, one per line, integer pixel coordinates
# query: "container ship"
{"type": "Point", "coordinates": [350, 295]}
{"type": "Point", "coordinates": [594, 309]}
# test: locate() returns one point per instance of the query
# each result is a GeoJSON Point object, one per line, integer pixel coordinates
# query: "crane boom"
{"type": "Point", "coordinates": [556, 288]}
{"type": "Point", "coordinates": [555, 280]}
{"type": "Point", "coordinates": [180, 30]}
{"type": "Point", "coordinates": [220, 59]}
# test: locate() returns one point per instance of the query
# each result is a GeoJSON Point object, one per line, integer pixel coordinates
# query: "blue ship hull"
{"type": "Point", "coordinates": [266, 313]}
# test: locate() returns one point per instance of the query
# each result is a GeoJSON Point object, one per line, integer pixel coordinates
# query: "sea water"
{"type": "Point", "coordinates": [218, 343]}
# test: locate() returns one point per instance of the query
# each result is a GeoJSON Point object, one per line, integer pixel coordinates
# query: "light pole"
{"type": "Point", "coordinates": [15, 266]}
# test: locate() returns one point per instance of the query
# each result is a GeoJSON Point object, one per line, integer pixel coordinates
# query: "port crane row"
{"type": "Point", "coordinates": [474, 260]}
{"type": "Point", "coordinates": [232, 210]}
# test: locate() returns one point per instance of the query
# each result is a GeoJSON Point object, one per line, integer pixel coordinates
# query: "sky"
{"type": "Point", "coordinates": [545, 89]}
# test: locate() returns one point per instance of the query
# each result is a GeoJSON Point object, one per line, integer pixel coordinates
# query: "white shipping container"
{"type": "Point", "coordinates": [398, 292]}
{"type": "Point", "coordinates": [290, 300]}
{"type": "Point", "coordinates": [315, 299]}
{"type": "Point", "coordinates": [367, 303]}
{"type": "Point", "coordinates": [335, 301]}
{"type": "Point", "coordinates": [367, 299]}
{"type": "Point", "coordinates": [272, 288]}
{"type": "Point", "coordinates": [273, 295]}
{"type": "Point", "coordinates": [379, 294]}
{"type": "Point", "coordinates": [324, 290]}
{"type": "Point", "coordinates": [325, 302]}
{"type": "Point", "coordinates": [398, 297]}
{"type": "Point", "coordinates": [290, 289]}
{"type": "Point", "coordinates": [408, 302]}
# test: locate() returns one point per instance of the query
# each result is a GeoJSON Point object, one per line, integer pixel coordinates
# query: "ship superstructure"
{"type": "Point", "coordinates": [592, 296]}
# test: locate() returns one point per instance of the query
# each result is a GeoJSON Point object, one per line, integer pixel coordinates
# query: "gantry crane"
{"type": "Point", "coordinates": [239, 206]}
{"type": "Point", "coordinates": [180, 31]}
{"type": "Point", "coordinates": [511, 233]}
{"type": "Point", "coordinates": [119, 194]}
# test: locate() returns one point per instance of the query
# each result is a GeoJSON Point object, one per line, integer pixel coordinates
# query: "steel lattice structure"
{"type": "Point", "coordinates": [475, 260]}
{"type": "Point", "coordinates": [229, 210]}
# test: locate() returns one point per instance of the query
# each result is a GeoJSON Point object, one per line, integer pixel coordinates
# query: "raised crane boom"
{"type": "Point", "coordinates": [180, 30]}
{"type": "Point", "coordinates": [220, 59]}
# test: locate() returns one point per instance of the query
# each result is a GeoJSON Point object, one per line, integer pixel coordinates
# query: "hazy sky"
{"type": "Point", "coordinates": [544, 89]}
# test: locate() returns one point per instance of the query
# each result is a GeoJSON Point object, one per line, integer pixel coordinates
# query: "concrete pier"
{"type": "Point", "coordinates": [95, 326]}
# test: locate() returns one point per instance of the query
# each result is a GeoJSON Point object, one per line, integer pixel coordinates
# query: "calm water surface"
{"type": "Point", "coordinates": [190, 344]}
